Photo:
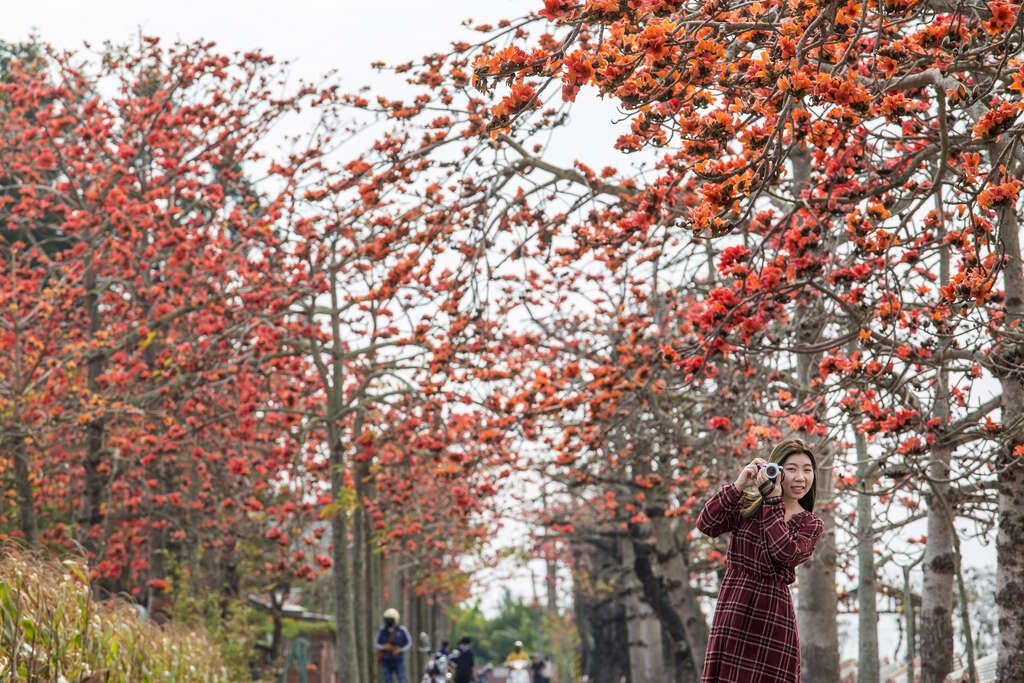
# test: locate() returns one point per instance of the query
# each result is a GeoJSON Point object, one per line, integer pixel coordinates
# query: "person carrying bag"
{"type": "Point", "coordinates": [391, 642]}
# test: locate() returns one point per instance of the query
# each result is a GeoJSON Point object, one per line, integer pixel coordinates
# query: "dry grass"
{"type": "Point", "coordinates": [52, 630]}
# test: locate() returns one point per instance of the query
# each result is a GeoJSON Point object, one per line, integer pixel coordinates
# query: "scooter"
{"type": "Point", "coordinates": [439, 665]}
{"type": "Point", "coordinates": [438, 669]}
{"type": "Point", "coordinates": [518, 672]}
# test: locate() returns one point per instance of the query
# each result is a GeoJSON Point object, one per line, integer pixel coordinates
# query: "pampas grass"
{"type": "Point", "coordinates": [52, 630]}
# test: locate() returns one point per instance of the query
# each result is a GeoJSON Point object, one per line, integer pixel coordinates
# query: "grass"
{"type": "Point", "coordinates": [52, 630]}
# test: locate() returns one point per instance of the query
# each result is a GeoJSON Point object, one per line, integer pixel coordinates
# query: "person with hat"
{"type": "Point", "coordinates": [518, 662]}
{"type": "Point", "coordinates": [392, 641]}
{"type": "Point", "coordinates": [463, 657]}
{"type": "Point", "coordinates": [517, 654]}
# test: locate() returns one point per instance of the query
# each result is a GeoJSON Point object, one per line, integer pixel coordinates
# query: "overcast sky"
{"type": "Point", "coordinates": [318, 35]}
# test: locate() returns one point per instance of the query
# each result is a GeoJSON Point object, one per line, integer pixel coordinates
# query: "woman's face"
{"type": "Point", "coordinates": [798, 477]}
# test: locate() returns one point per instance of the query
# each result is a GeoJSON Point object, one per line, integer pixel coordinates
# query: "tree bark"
{"type": "Point", "coordinates": [817, 607]}
{"type": "Point", "coordinates": [939, 566]}
{"type": "Point", "coordinates": [657, 593]}
{"type": "Point", "coordinates": [649, 649]}
{"type": "Point", "coordinates": [1010, 467]}
{"type": "Point", "coordinates": [867, 606]}
{"type": "Point", "coordinates": [27, 520]}
{"type": "Point", "coordinates": [965, 617]}
{"type": "Point", "coordinates": [600, 611]}
{"type": "Point", "coordinates": [671, 557]}
{"type": "Point", "coordinates": [939, 560]}
{"type": "Point", "coordinates": [582, 624]}
{"type": "Point", "coordinates": [94, 431]}
{"type": "Point", "coordinates": [910, 617]}
{"type": "Point", "coordinates": [345, 659]}
{"type": "Point", "coordinates": [360, 573]}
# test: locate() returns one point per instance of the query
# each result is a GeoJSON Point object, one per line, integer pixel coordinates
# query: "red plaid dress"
{"type": "Point", "coordinates": [753, 633]}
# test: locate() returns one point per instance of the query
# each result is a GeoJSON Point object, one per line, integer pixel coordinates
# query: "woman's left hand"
{"type": "Point", "coordinates": [762, 477]}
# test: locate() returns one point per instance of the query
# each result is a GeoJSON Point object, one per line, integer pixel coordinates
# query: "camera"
{"type": "Point", "coordinates": [773, 471]}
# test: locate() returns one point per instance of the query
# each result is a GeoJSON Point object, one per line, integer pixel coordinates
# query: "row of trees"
{"type": "Point", "coordinates": [825, 243]}
{"type": "Point", "coordinates": [214, 344]}
{"type": "Point", "coordinates": [218, 369]}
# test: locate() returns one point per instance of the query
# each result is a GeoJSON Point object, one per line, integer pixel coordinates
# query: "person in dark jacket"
{"type": "Point", "coordinates": [392, 641]}
{"type": "Point", "coordinates": [463, 656]}
{"type": "Point", "coordinates": [753, 632]}
{"type": "Point", "coordinates": [537, 667]}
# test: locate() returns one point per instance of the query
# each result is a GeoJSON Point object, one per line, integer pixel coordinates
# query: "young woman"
{"type": "Point", "coordinates": [753, 633]}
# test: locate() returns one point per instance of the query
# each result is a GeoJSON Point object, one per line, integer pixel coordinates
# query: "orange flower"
{"type": "Point", "coordinates": [578, 68]}
{"type": "Point", "coordinates": [1004, 16]}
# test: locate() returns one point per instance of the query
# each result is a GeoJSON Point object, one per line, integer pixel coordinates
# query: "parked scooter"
{"type": "Point", "coordinates": [440, 665]}
{"type": "Point", "coordinates": [438, 668]}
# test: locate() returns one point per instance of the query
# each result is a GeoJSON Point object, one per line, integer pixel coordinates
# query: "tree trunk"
{"type": "Point", "coordinates": [939, 565]}
{"type": "Point", "coordinates": [419, 625]}
{"type": "Point", "coordinates": [27, 520]}
{"type": "Point", "coordinates": [94, 431]}
{"type": "Point", "coordinates": [657, 592]}
{"type": "Point", "coordinates": [965, 617]}
{"type": "Point", "coordinates": [375, 593]}
{"type": "Point", "coordinates": [360, 573]}
{"type": "Point", "coordinates": [582, 624]}
{"type": "Point", "coordinates": [345, 659]}
{"type": "Point", "coordinates": [649, 653]}
{"type": "Point", "coordinates": [817, 606]}
{"type": "Point", "coordinates": [908, 613]}
{"type": "Point", "coordinates": [1010, 538]}
{"type": "Point", "coordinates": [600, 613]}
{"type": "Point", "coordinates": [607, 660]}
{"type": "Point", "coordinates": [671, 555]}
{"type": "Point", "coordinates": [867, 606]}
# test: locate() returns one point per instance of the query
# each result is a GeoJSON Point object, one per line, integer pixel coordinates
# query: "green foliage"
{"type": "Point", "coordinates": [494, 638]}
{"type": "Point", "coordinates": [52, 630]}
{"type": "Point", "coordinates": [26, 52]}
{"type": "Point", "coordinates": [229, 623]}
{"type": "Point", "coordinates": [293, 628]}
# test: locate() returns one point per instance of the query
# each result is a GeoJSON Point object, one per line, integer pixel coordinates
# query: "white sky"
{"type": "Point", "coordinates": [318, 34]}
{"type": "Point", "coordinates": [321, 35]}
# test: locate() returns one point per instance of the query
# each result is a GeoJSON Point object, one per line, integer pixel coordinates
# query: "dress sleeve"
{"type": "Point", "coordinates": [721, 513]}
{"type": "Point", "coordinates": [788, 546]}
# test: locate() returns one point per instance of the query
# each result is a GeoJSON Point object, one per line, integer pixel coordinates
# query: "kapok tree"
{"type": "Point", "coordinates": [152, 414]}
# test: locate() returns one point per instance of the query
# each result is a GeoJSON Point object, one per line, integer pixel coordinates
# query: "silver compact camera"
{"type": "Point", "coordinates": [773, 471]}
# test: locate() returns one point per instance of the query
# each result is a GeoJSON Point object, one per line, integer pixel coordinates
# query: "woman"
{"type": "Point", "coordinates": [753, 633]}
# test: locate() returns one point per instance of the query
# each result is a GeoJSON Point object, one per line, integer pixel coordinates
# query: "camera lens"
{"type": "Point", "coordinates": [772, 470]}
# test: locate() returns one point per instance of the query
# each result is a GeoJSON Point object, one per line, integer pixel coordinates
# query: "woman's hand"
{"type": "Point", "coordinates": [748, 475]}
{"type": "Point", "coordinates": [762, 477]}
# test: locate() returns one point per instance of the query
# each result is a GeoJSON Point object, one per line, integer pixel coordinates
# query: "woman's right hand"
{"type": "Point", "coordinates": [748, 475]}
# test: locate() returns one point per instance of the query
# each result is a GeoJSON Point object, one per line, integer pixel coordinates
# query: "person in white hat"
{"type": "Point", "coordinates": [392, 641]}
{"type": "Point", "coordinates": [517, 654]}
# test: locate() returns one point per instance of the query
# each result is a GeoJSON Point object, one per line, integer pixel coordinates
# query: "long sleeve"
{"type": "Point", "coordinates": [787, 546]}
{"type": "Point", "coordinates": [404, 633]}
{"type": "Point", "coordinates": [721, 513]}
{"type": "Point", "coordinates": [382, 639]}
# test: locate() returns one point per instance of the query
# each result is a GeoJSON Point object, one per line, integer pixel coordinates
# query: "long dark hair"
{"type": "Point", "coordinates": [778, 455]}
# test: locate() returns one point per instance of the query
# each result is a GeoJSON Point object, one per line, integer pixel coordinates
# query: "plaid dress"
{"type": "Point", "coordinates": [753, 633]}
